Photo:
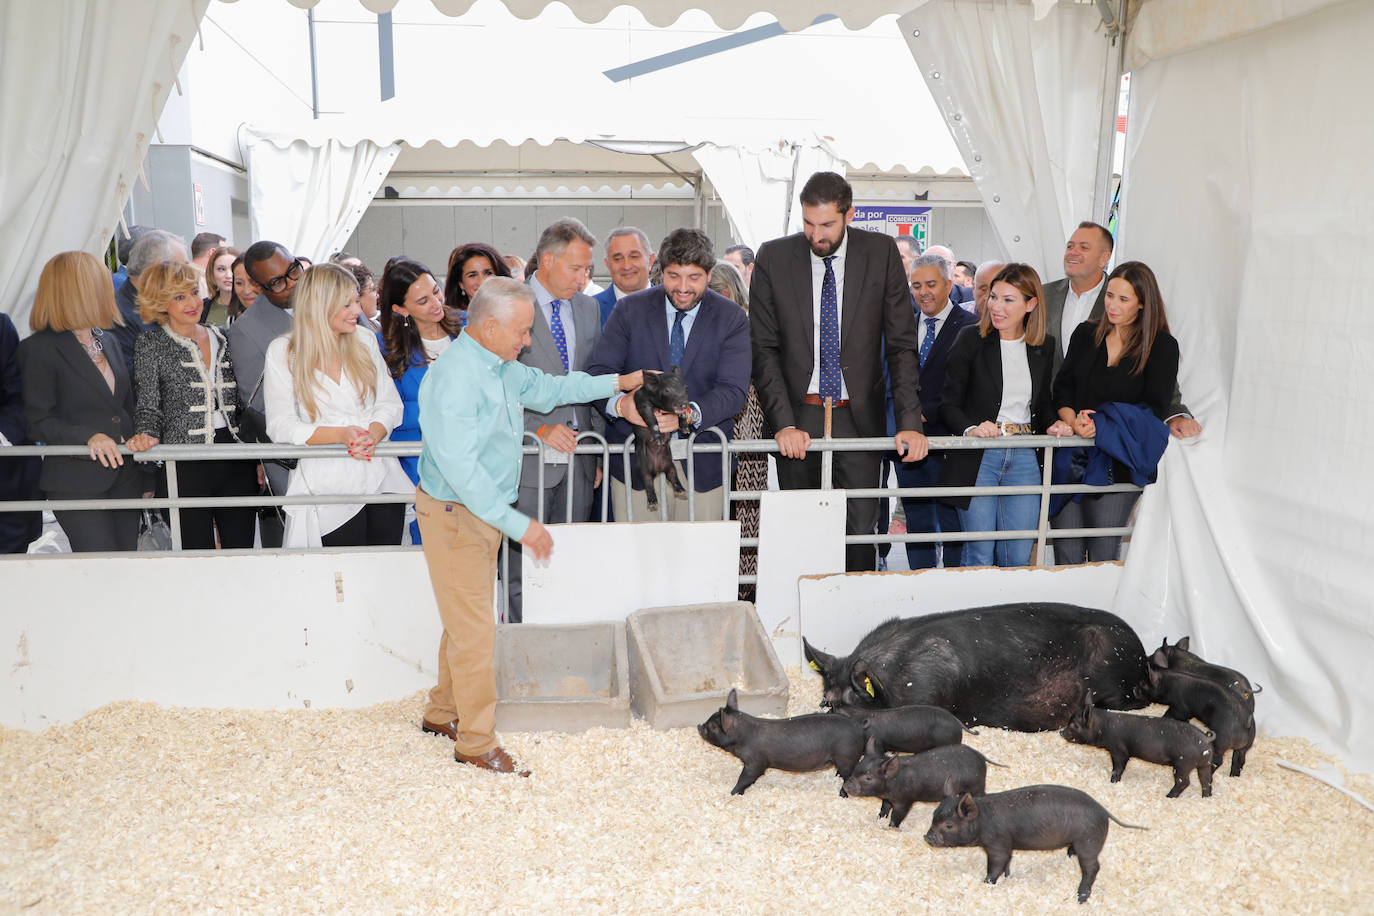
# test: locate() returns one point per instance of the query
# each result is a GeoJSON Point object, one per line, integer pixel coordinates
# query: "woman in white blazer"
{"type": "Point", "coordinates": [326, 383]}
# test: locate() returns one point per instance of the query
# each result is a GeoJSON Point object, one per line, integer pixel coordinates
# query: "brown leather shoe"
{"type": "Point", "coordinates": [448, 729]}
{"type": "Point", "coordinates": [496, 760]}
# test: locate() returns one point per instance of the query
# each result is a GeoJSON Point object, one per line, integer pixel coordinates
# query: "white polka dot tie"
{"type": "Point", "coordinates": [830, 335]}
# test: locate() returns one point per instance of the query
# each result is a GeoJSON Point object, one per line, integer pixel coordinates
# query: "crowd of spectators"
{"type": "Point", "coordinates": [211, 345]}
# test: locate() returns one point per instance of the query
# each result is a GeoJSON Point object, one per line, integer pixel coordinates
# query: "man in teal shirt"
{"type": "Point", "coordinates": [471, 404]}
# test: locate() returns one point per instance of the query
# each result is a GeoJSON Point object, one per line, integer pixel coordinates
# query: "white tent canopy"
{"type": "Point", "coordinates": [745, 109]}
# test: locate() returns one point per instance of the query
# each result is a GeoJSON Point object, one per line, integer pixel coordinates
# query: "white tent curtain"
{"type": "Point", "coordinates": [1023, 99]}
{"type": "Point", "coordinates": [760, 188]}
{"type": "Point", "coordinates": [94, 76]}
{"type": "Point", "coordinates": [311, 197]}
{"type": "Point", "coordinates": [1258, 541]}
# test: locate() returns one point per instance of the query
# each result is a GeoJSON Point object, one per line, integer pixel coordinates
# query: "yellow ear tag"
{"type": "Point", "coordinates": [868, 685]}
{"type": "Point", "coordinates": [815, 667]}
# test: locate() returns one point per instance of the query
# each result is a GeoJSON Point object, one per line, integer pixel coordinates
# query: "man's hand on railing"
{"type": "Point", "coordinates": [142, 442]}
{"type": "Point", "coordinates": [537, 540]}
{"type": "Point", "coordinates": [558, 437]}
{"type": "Point", "coordinates": [911, 445]}
{"type": "Point", "coordinates": [1059, 428]}
{"type": "Point", "coordinates": [793, 442]}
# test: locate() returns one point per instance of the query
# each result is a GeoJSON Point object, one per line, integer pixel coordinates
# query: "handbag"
{"type": "Point", "coordinates": [253, 427]}
{"type": "Point", "coordinates": [153, 533]}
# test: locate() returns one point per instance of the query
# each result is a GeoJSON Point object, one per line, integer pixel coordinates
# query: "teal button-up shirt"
{"type": "Point", "coordinates": [472, 426]}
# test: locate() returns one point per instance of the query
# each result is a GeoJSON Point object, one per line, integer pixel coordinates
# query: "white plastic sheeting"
{"type": "Point", "coordinates": [1258, 540]}
{"type": "Point", "coordinates": [311, 197]}
{"type": "Point", "coordinates": [761, 188]}
{"type": "Point", "coordinates": [1023, 99]}
{"type": "Point", "coordinates": [83, 84]}
{"type": "Point", "coordinates": [1160, 28]}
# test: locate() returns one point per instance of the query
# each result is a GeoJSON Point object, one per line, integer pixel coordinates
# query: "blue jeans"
{"type": "Point", "coordinates": [926, 515]}
{"type": "Point", "coordinates": [1005, 467]}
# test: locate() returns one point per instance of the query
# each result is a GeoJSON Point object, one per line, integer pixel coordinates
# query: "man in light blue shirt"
{"type": "Point", "coordinates": [471, 405]}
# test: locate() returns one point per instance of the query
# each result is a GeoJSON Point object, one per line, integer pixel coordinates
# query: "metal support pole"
{"type": "Point", "coordinates": [173, 515]}
{"type": "Point", "coordinates": [828, 456]}
{"type": "Point", "coordinates": [1043, 525]}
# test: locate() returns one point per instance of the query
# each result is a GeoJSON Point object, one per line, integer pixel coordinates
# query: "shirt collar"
{"type": "Point", "coordinates": [542, 296]}
{"type": "Point", "coordinates": [671, 310]}
{"type": "Point", "coordinates": [483, 356]}
{"type": "Point", "coordinates": [1091, 295]}
{"type": "Point", "coordinates": [939, 318]}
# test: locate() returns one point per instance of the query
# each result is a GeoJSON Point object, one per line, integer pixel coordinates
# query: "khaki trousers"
{"type": "Point", "coordinates": [461, 551]}
{"type": "Point", "coordinates": [708, 504]}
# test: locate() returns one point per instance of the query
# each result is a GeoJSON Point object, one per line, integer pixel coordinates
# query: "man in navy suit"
{"type": "Point", "coordinates": [939, 322]}
{"type": "Point", "coordinates": [704, 335]}
{"type": "Point", "coordinates": [628, 260]}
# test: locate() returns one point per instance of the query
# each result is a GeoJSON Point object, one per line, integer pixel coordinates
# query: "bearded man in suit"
{"type": "Point", "coordinates": [826, 305]}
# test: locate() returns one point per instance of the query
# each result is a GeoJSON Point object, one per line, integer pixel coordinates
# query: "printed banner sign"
{"type": "Point", "coordinates": [895, 221]}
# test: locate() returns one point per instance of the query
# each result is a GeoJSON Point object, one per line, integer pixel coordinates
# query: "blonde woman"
{"type": "Point", "coordinates": [77, 391]}
{"type": "Point", "coordinates": [325, 383]}
{"type": "Point", "coordinates": [185, 392]}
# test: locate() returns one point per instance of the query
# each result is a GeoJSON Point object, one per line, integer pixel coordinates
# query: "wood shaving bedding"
{"type": "Point", "coordinates": [139, 808]}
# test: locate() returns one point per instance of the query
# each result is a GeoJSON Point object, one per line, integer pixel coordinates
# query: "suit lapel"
{"type": "Point", "coordinates": [701, 331]}
{"type": "Point", "coordinates": [658, 330]}
{"type": "Point", "coordinates": [992, 362]}
{"type": "Point", "coordinates": [587, 316]}
{"type": "Point", "coordinates": [803, 295]}
{"type": "Point", "coordinates": [945, 339]}
{"type": "Point", "coordinates": [76, 357]}
{"type": "Point", "coordinates": [855, 266]}
{"type": "Point", "coordinates": [542, 347]}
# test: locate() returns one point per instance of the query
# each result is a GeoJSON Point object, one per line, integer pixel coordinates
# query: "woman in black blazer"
{"type": "Point", "coordinates": [998, 384]}
{"type": "Point", "coordinates": [1128, 356]}
{"type": "Point", "coordinates": [75, 395]}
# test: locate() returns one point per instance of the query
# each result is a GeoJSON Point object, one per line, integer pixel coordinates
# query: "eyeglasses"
{"type": "Point", "coordinates": [277, 284]}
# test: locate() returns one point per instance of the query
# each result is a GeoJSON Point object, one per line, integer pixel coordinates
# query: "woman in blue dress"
{"type": "Point", "coordinates": [416, 328]}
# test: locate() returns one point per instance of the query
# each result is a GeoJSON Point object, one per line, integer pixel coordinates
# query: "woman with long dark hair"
{"type": "Point", "coordinates": [1126, 357]}
{"type": "Point", "coordinates": [416, 327]}
{"type": "Point", "coordinates": [468, 267]}
{"type": "Point", "coordinates": [997, 383]}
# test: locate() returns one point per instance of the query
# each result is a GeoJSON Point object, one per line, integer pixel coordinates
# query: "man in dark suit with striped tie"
{"type": "Point", "coordinates": [826, 305]}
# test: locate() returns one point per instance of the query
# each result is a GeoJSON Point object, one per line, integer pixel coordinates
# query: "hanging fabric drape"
{"type": "Point", "coordinates": [95, 76]}
{"type": "Point", "coordinates": [1258, 539]}
{"type": "Point", "coordinates": [760, 188]}
{"type": "Point", "coordinates": [311, 197]}
{"type": "Point", "coordinates": [1023, 98]}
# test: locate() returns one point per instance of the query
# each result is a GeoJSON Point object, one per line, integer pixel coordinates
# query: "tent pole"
{"type": "Point", "coordinates": [1111, 92]}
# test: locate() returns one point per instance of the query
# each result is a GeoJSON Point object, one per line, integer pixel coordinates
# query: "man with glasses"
{"type": "Point", "coordinates": [274, 270]}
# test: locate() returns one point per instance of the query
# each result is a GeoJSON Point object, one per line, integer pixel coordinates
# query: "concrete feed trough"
{"type": "Point", "coordinates": [563, 678]}
{"type": "Point", "coordinates": [684, 661]}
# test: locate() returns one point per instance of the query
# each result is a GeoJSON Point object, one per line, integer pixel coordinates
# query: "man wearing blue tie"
{"type": "Point", "coordinates": [826, 305]}
{"type": "Point", "coordinates": [706, 336]}
{"type": "Point", "coordinates": [939, 322]}
{"type": "Point", "coordinates": [567, 325]}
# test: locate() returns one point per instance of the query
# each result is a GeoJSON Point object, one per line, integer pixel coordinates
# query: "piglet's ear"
{"type": "Point", "coordinates": [891, 767]}
{"type": "Point", "coordinates": [822, 662]}
{"type": "Point", "coordinates": [949, 786]}
{"type": "Point", "coordinates": [732, 701]}
{"type": "Point", "coordinates": [865, 681]}
{"type": "Point", "coordinates": [1160, 659]}
{"type": "Point", "coordinates": [873, 747]}
{"type": "Point", "coordinates": [1182, 643]}
{"type": "Point", "coordinates": [967, 806]}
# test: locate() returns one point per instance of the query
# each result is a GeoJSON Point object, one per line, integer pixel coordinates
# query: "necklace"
{"type": "Point", "coordinates": [94, 349]}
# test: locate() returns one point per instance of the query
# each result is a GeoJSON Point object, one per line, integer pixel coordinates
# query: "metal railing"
{"type": "Point", "coordinates": [591, 443]}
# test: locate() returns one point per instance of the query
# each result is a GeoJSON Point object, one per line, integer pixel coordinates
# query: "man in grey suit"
{"type": "Point", "coordinates": [567, 325]}
{"type": "Point", "coordinates": [274, 271]}
{"type": "Point", "coordinates": [1079, 297]}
